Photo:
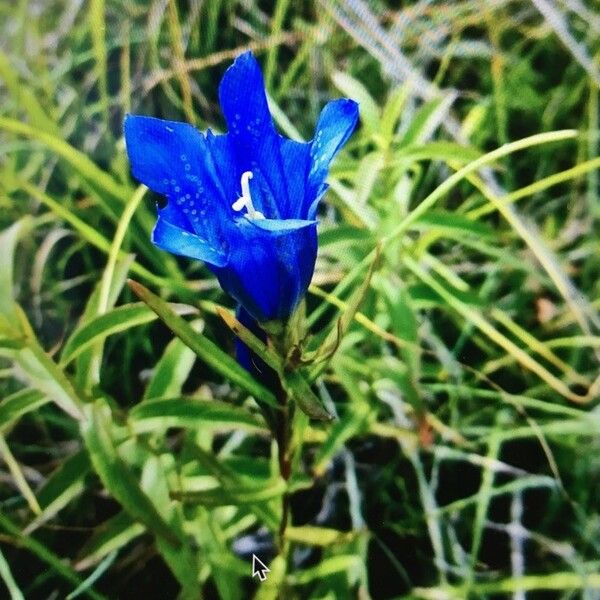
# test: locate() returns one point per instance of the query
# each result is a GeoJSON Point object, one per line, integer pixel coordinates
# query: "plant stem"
{"type": "Point", "coordinates": [282, 435]}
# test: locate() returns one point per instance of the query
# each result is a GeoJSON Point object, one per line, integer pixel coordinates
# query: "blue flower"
{"type": "Point", "coordinates": [245, 202]}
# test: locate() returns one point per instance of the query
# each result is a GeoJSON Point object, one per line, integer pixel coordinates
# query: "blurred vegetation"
{"type": "Point", "coordinates": [465, 458]}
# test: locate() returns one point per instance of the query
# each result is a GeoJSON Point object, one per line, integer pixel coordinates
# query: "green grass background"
{"type": "Point", "coordinates": [465, 458]}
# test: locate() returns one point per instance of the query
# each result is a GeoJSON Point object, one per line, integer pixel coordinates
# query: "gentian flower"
{"type": "Point", "coordinates": [244, 202]}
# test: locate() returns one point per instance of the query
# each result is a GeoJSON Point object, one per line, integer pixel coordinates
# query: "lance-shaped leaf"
{"type": "Point", "coordinates": [65, 483]}
{"type": "Point", "coordinates": [117, 320]}
{"type": "Point", "coordinates": [40, 371]}
{"type": "Point", "coordinates": [319, 536]}
{"type": "Point", "coordinates": [236, 496]}
{"type": "Point", "coordinates": [8, 243]}
{"type": "Point", "coordinates": [265, 353]}
{"type": "Point", "coordinates": [55, 563]}
{"type": "Point", "coordinates": [204, 348]}
{"type": "Point", "coordinates": [16, 405]}
{"type": "Point", "coordinates": [230, 480]}
{"type": "Point", "coordinates": [163, 413]}
{"type": "Point", "coordinates": [108, 537]}
{"type": "Point", "coordinates": [321, 357]}
{"type": "Point", "coordinates": [292, 380]}
{"type": "Point", "coordinates": [308, 402]}
{"type": "Point", "coordinates": [116, 475]}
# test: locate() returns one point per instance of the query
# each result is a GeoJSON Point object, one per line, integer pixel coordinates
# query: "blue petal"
{"type": "Point", "coordinates": [225, 167]}
{"type": "Point", "coordinates": [173, 159]}
{"type": "Point", "coordinates": [270, 266]}
{"type": "Point", "coordinates": [296, 165]}
{"type": "Point", "coordinates": [336, 123]}
{"type": "Point", "coordinates": [173, 239]}
{"type": "Point", "coordinates": [255, 142]}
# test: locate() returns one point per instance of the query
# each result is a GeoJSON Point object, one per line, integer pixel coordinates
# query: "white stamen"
{"type": "Point", "coordinates": [239, 204]}
{"type": "Point", "coordinates": [246, 200]}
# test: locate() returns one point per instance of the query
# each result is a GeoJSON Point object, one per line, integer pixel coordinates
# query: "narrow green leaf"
{"type": "Point", "coordinates": [345, 234]}
{"type": "Point", "coordinates": [18, 477]}
{"type": "Point", "coordinates": [116, 475]}
{"type": "Point", "coordinates": [425, 119]}
{"type": "Point", "coordinates": [46, 376]}
{"type": "Point", "coordinates": [8, 243]}
{"type": "Point", "coordinates": [328, 347]}
{"type": "Point", "coordinates": [349, 563]}
{"type": "Point", "coordinates": [256, 345]}
{"type": "Point", "coordinates": [271, 588]}
{"type": "Point", "coordinates": [20, 403]}
{"type": "Point", "coordinates": [403, 321]}
{"type": "Point", "coordinates": [93, 577]}
{"type": "Point", "coordinates": [24, 97]}
{"type": "Point", "coordinates": [97, 27]}
{"type": "Point", "coordinates": [301, 392]}
{"type": "Point", "coordinates": [65, 483]}
{"type": "Point", "coordinates": [182, 559]}
{"type": "Point", "coordinates": [352, 423]}
{"type": "Point", "coordinates": [366, 178]}
{"type": "Point", "coordinates": [89, 234]}
{"type": "Point", "coordinates": [9, 581]}
{"type": "Point", "coordinates": [85, 167]}
{"type": "Point", "coordinates": [173, 368]}
{"type": "Point", "coordinates": [205, 349]}
{"type": "Point", "coordinates": [392, 110]}
{"type": "Point", "coordinates": [235, 496]}
{"type": "Point", "coordinates": [162, 414]}
{"type": "Point", "coordinates": [445, 221]}
{"type": "Point", "coordinates": [230, 480]}
{"type": "Point", "coordinates": [97, 329]}
{"type": "Point", "coordinates": [319, 536]}
{"type": "Point", "coordinates": [437, 150]}
{"type": "Point", "coordinates": [117, 320]}
{"type": "Point", "coordinates": [38, 549]}
{"type": "Point", "coordinates": [558, 581]}
{"type": "Point", "coordinates": [88, 361]}
{"type": "Point", "coordinates": [111, 536]}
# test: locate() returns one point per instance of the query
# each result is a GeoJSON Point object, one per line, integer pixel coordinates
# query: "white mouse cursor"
{"type": "Point", "coordinates": [259, 569]}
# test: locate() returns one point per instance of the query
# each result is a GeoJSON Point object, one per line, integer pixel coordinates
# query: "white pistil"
{"type": "Point", "coordinates": [246, 200]}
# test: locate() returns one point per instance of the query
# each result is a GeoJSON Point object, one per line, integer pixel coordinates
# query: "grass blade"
{"type": "Point", "coordinates": [206, 350]}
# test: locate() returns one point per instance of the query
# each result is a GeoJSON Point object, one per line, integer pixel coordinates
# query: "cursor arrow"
{"type": "Point", "coordinates": [259, 569]}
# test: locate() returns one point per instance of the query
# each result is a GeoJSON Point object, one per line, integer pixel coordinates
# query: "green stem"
{"type": "Point", "coordinates": [282, 435]}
